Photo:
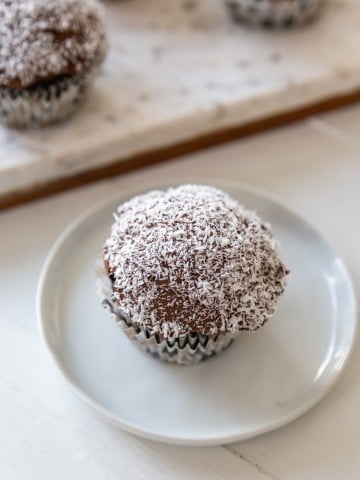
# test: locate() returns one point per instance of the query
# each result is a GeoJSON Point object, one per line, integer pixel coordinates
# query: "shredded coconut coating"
{"type": "Point", "coordinates": [41, 39]}
{"type": "Point", "coordinates": [192, 259]}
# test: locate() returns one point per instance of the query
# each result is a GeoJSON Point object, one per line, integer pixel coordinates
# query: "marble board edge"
{"type": "Point", "coordinates": [124, 165]}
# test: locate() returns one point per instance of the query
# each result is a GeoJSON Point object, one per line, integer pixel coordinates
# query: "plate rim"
{"type": "Point", "coordinates": [131, 427]}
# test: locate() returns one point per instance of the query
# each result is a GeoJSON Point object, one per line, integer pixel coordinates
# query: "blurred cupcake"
{"type": "Point", "coordinates": [275, 13]}
{"type": "Point", "coordinates": [186, 269]}
{"type": "Point", "coordinates": [49, 51]}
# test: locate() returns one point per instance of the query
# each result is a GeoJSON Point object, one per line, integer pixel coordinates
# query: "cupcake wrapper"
{"type": "Point", "coordinates": [42, 104]}
{"type": "Point", "coordinates": [184, 350]}
{"type": "Point", "coordinates": [274, 13]}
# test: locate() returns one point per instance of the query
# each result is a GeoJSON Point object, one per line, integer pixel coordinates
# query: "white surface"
{"type": "Point", "coordinates": [46, 432]}
{"type": "Point", "coordinates": [261, 382]}
{"type": "Point", "coordinates": [174, 73]}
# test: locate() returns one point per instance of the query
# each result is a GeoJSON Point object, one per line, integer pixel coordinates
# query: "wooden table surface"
{"type": "Point", "coordinates": [46, 433]}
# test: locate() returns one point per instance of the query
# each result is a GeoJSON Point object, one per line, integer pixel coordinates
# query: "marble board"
{"type": "Point", "coordinates": [178, 71]}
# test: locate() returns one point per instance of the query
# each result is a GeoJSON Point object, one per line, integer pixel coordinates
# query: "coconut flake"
{"type": "Point", "coordinates": [44, 38]}
{"type": "Point", "coordinates": [192, 259]}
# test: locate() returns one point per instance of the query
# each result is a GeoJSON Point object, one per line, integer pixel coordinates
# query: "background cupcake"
{"type": "Point", "coordinates": [275, 13]}
{"type": "Point", "coordinates": [49, 51]}
{"type": "Point", "coordinates": [187, 269]}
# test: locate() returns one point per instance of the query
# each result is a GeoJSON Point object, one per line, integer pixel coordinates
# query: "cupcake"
{"type": "Point", "coordinates": [186, 269]}
{"type": "Point", "coordinates": [274, 13]}
{"type": "Point", "coordinates": [49, 51]}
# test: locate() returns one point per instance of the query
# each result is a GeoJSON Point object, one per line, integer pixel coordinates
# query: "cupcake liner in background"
{"type": "Point", "coordinates": [275, 13]}
{"type": "Point", "coordinates": [184, 350]}
{"type": "Point", "coordinates": [44, 103]}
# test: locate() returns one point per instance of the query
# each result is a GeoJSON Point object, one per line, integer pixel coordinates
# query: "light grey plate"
{"type": "Point", "coordinates": [264, 380]}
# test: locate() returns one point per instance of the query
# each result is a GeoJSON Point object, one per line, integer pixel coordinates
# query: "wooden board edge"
{"type": "Point", "coordinates": [167, 153]}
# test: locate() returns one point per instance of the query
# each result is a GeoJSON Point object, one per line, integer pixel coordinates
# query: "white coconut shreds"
{"type": "Point", "coordinates": [192, 259]}
{"type": "Point", "coordinates": [44, 38]}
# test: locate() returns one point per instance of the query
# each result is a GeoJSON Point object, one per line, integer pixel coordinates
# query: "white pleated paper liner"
{"type": "Point", "coordinates": [43, 104]}
{"type": "Point", "coordinates": [184, 350]}
{"type": "Point", "coordinates": [275, 13]}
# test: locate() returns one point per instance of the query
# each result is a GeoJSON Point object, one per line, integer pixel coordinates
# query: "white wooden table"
{"type": "Point", "coordinates": [45, 433]}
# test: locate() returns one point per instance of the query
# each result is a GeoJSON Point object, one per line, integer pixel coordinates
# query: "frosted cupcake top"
{"type": "Point", "coordinates": [43, 39]}
{"type": "Point", "coordinates": [192, 259]}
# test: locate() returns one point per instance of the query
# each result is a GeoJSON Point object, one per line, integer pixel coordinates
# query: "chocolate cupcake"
{"type": "Point", "coordinates": [275, 13]}
{"type": "Point", "coordinates": [49, 51]}
{"type": "Point", "coordinates": [187, 269]}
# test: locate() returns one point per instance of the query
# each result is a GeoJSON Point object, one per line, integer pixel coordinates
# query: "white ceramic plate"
{"type": "Point", "coordinates": [263, 381]}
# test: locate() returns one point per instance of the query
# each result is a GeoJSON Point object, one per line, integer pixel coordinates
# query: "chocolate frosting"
{"type": "Point", "coordinates": [44, 39]}
{"type": "Point", "coordinates": [192, 259]}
